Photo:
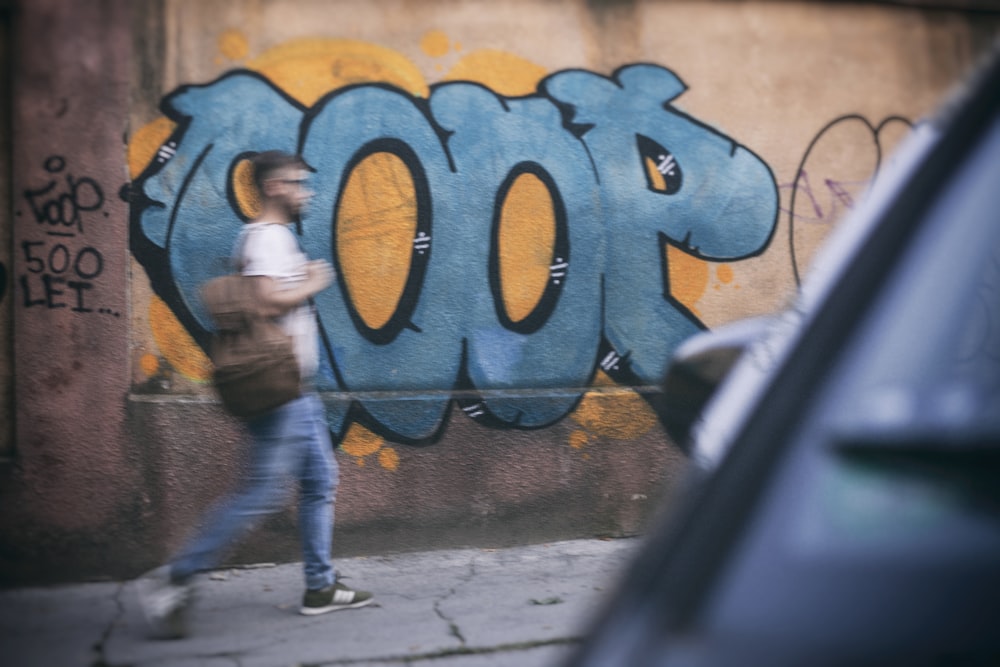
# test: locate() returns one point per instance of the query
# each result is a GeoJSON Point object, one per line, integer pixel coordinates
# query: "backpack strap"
{"type": "Point", "coordinates": [238, 260]}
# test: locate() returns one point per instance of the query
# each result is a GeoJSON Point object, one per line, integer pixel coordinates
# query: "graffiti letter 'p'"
{"type": "Point", "coordinates": [665, 178]}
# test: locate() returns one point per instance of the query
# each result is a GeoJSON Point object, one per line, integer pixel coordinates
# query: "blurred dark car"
{"type": "Point", "coordinates": [844, 507]}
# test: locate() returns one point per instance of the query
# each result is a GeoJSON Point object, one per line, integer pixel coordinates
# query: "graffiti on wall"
{"type": "Point", "coordinates": [60, 269]}
{"type": "Point", "coordinates": [817, 198]}
{"type": "Point", "coordinates": [488, 244]}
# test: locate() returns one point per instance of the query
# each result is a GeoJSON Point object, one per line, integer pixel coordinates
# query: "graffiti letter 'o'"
{"type": "Point", "coordinates": [416, 348]}
{"type": "Point", "coordinates": [497, 144]}
{"type": "Point", "coordinates": [189, 233]}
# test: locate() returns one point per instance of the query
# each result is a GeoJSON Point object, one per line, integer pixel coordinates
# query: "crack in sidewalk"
{"type": "Point", "coordinates": [98, 649]}
{"type": "Point", "coordinates": [453, 628]}
{"type": "Point", "coordinates": [452, 652]}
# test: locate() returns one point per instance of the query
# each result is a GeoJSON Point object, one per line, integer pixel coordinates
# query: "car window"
{"type": "Point", "coordinates": [927, 363]}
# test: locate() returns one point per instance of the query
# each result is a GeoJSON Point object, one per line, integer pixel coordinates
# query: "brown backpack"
{"type": "Point", "coordinates": [255, 367]}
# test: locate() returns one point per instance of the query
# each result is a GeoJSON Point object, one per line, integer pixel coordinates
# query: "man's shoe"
{"type": "Point", "coordinates": [332, 598]}
{"type": "Point", "coordinates": [164, 603]}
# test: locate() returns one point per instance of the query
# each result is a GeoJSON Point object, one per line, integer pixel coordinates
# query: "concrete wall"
{"type": "Point", "coordinates": [530, 206]}
{"type": "Point", "coordinates": [6, 323]}
{"type": "Point", "coordinates": [71, 497]}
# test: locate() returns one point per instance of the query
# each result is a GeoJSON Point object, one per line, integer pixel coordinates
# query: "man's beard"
{"type": "Point", "coordinates": [288, 211]}
{"type": "Point", "coordinates": [292, 211]}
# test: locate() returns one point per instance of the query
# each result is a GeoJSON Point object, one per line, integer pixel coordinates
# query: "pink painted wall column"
{"type": "Point", "coordinates": [73, 497]}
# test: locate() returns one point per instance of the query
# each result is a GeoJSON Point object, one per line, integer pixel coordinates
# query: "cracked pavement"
{"type": "Point", "coordinates": [520, 607]}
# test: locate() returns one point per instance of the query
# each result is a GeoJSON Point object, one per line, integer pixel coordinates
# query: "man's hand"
{"type": "Point", "coordinates": [278, 298]}
{"type": "Point", "coordinates": [319, 275]}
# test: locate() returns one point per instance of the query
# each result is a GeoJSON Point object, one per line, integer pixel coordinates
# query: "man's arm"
{"type": "Point", "coordinates": [280, 298]}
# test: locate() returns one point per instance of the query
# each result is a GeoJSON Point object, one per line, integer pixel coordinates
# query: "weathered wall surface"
{"type": "Point", "coordinates": [6, 323]}
{"type": "Point", "coordinates": [71, 498]}
{"type": "Point", "coordinates": [530, 205]}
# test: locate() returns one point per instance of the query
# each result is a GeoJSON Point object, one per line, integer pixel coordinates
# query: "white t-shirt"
{"type": "Point", "coordinates": [271, 249]}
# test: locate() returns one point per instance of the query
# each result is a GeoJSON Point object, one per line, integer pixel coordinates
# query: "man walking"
{"type": "Point", "coordinates": [291, 442]}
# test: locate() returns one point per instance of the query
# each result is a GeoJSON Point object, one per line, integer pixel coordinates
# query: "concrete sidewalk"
{"type": "Point", "coordinates": [518, 607]}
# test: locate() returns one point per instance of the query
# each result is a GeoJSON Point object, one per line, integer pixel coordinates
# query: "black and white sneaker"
{"type": "Point", "coordinates": [164, 603]}
{"type": "Point", "coordinates": [332, 598]}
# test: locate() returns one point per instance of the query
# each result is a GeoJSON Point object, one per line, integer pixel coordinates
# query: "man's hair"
{"type": "Point", "coordinates": [268, 162]}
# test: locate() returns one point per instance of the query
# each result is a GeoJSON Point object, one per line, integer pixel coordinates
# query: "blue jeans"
{"type": "Point", "coordinates": [289, 443]}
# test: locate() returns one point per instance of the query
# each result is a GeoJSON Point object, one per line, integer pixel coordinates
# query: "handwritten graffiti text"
{"type": "Point", "coordinates": [57, 274]}
{"type": "Point", "coordinates": [58, 206]}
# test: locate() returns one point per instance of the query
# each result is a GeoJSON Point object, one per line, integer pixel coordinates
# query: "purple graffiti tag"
{"type": "Point", "coordinates": [839, 189]}
{"type": "Point", "coordinates": [841, 196]}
